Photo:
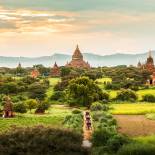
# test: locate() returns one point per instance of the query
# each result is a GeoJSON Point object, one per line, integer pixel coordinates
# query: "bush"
{"type": "Point", "coordinates": [148, 98]}
{"type": "Point", "coordinates": [116, 142]}
{"type": "Point", "coordinates": [42, 106]}
{"type": "Point", "coordinates": [126, 95]}
{"type": "Point", "coordinates": [57, 95]}
{"type": "Point", "coordinates": [97, 106]}
{"type": "Point", "coordinates": [74, 121]}
{"type": "Point", "coordinates": [20, 107]}
{"type": "Point", "coordinates": [137, 149]}
{"type": "Point", "coordinates": [101, 136]}
{"type": "Point", "coordinates": [31, 104]}
{"type": "Point", "coordinates": [76, 111]}
{"type": "Point", "coordinates": [41, 140]}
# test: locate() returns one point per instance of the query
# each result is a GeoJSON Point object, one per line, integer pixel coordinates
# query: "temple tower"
{"type": "Point", "coordinates": [77, 60]}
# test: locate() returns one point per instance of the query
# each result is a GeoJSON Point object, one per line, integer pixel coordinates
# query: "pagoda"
{"type": "Point", "coordinates": [8, 107]}
{"type": "Point", "coordinates": [77, 60]}
{"type": "Point", "coordinates": [55, 71]}
{"type": "Point", "coordinates": [149, 66]}
{"type": "Point", "coordinates": [35, 73]}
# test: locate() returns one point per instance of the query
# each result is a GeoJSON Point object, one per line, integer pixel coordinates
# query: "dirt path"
{"type": "Point", "coordinates": [86, 133]}
{"type": "Point", "coordinates": [135, 125]}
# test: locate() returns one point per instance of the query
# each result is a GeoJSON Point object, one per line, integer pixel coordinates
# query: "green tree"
{"type": "Point", "coordinates": [20, 107]}
{"type": "Point", "coordinates": [31, 104]}
{"type": "Point", "coordinates": [83, 91]}
{"type": "Point", "coordinates": [37, 91]}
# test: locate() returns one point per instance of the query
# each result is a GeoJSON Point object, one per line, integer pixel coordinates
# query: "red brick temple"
{"type": "Point", "coordinates": [35, 73]}
{"type": "Point", "coordinates": [55, 71]}
{"type": "Point", "coordinates": [8, 108]}
{"type": "Point", "coordinates": [149, 66]}
{"type": "Point", "coordinates": [77, 60]}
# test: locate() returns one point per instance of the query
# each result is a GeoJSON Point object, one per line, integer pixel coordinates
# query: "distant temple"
{"type": "Point", "coordinates": [149, 66]}
{"type": "Point", "coordinates": [35, 73]}
{"type": "Point", "coordinates": [77, 60]}
{"type": "Point", "coordinates": [55, 71]}
{"type": "Point", "coordinates": [8, 107]}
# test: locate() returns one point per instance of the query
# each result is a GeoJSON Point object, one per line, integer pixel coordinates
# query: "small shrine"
{"type": "Point", "coordinates": [55, 71]}
{"type": "Point", "coordinates": [8, 108]}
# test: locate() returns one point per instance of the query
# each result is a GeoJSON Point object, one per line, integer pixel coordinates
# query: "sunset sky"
{"type": "Point", "coordinates": [44, 27]}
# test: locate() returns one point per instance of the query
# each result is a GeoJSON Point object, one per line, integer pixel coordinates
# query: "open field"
{"type": "Point", "coordinates": [146, 139]}
{"type": "Point", "coordinates": [53, 117]}
{"type": "Point", "coordinates": [132, 108]}
{"type": "Point", "coordinates": [140, 93]}
{"type": "Point", "coordinates": [53, 82]}
{"type": "Point", "coordinates": [135, 125]}
{"type": "Point", "coordinates": [103, 80]}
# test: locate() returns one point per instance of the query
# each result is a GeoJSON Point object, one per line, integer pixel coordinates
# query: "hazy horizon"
{"type": "Point", "coordinates": [101, 27]}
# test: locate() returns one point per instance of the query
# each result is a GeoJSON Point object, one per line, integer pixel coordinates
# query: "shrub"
{"type": "Point", "coordinates": [20, 107]}
{"type": "Point", "coordinates": [137, 149]}
{"type": "Point", "coordinates": [76, 111]}
{"type": "Point", "coordinates": [42, 106]}
{"type": "Point", "coordinates": [41, 140]}
{"type": "Point", "coordinates": [116, 142]}
{"type": "Point", "coordinates": [101, 136]}
{"type": "Point", "coordinates": [148, 98]}
{"type": "Point", "coordinates": [126, 95]}
{"type": "Point", "coordinates": [57, 95]}
{"type": "Point", "coordinates": [31, 104]}
{"type": "Point", "coordinates": [37, 91]}
{"type": "Point", "coordinates": [97, 106]}
{"type": "Point", "coordinates": [74, 121]}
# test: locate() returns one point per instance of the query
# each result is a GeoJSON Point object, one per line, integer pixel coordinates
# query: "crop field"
{"type": "Point", "coordinates": [132, 108]}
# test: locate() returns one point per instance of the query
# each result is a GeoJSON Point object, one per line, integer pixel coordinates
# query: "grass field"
{"type": "Point", "coordinates": [140, 93]}
{"type": "Point", "coordinates": [146, 139]}
{"type": "Point", "coordinates": [103, 80]}
{"type": "Point", "coordinates": [54, 117]}
{"type": "Point", "coordinates": [132, 109]}
{"type": "Point", "coordinates": [53, 82]}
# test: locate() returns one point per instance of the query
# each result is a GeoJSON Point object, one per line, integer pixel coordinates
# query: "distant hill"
{"type": "Point", "coordinates": [61, 59]}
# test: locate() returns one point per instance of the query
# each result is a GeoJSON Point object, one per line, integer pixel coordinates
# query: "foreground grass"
{"type": "Point", "coordinates": [146, 139]}
{"type": "Point", "coordinates": [54, 117]}
{"type": "Point", "coordinates": [132, 108]}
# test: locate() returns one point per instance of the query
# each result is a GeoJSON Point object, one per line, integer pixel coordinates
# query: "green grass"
{"type": "Point", "coordinates": [132, 108]}
{"type": "Point", "coordinates": [146, 139]}
{"type": "Point", "coordinates": [53, 82]}
{"type": "Point", "coordinates": [151, 116]}
{"type": "Point", "coordinates": [141, 93]}
{"type": "Point", "coordinates": [103, 80]}
{"type": "Point", "coordinates": [54, 117]}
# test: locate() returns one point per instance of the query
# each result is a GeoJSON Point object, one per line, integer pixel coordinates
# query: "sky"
{"type": "Point", "coordinates": [44, 27]}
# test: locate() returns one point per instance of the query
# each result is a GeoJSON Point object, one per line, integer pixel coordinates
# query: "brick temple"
{"type": "Point", "coordinates": [55, 71]}
{"type": "Point", "coordinates": [149, 66]}
{"type": "Point", "coordinates": [77, 60]}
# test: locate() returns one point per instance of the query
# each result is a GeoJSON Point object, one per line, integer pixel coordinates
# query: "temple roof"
{"type": "Point", "coordinates": [150, 58]}
{"type": "Point", "coordinates": [77, 54]}
{"type": "Point", "coordinates": [55, 65]}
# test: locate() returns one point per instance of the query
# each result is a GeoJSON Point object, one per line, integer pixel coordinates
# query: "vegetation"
{"type": "Point", "coordinates": [133, 109]}
{"type": "Point", "coordinates": [41, 140]}
{"type": "Point", "coordinates": [126, 95]}
{"type": "Point", "coordinates": [83, 91]}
